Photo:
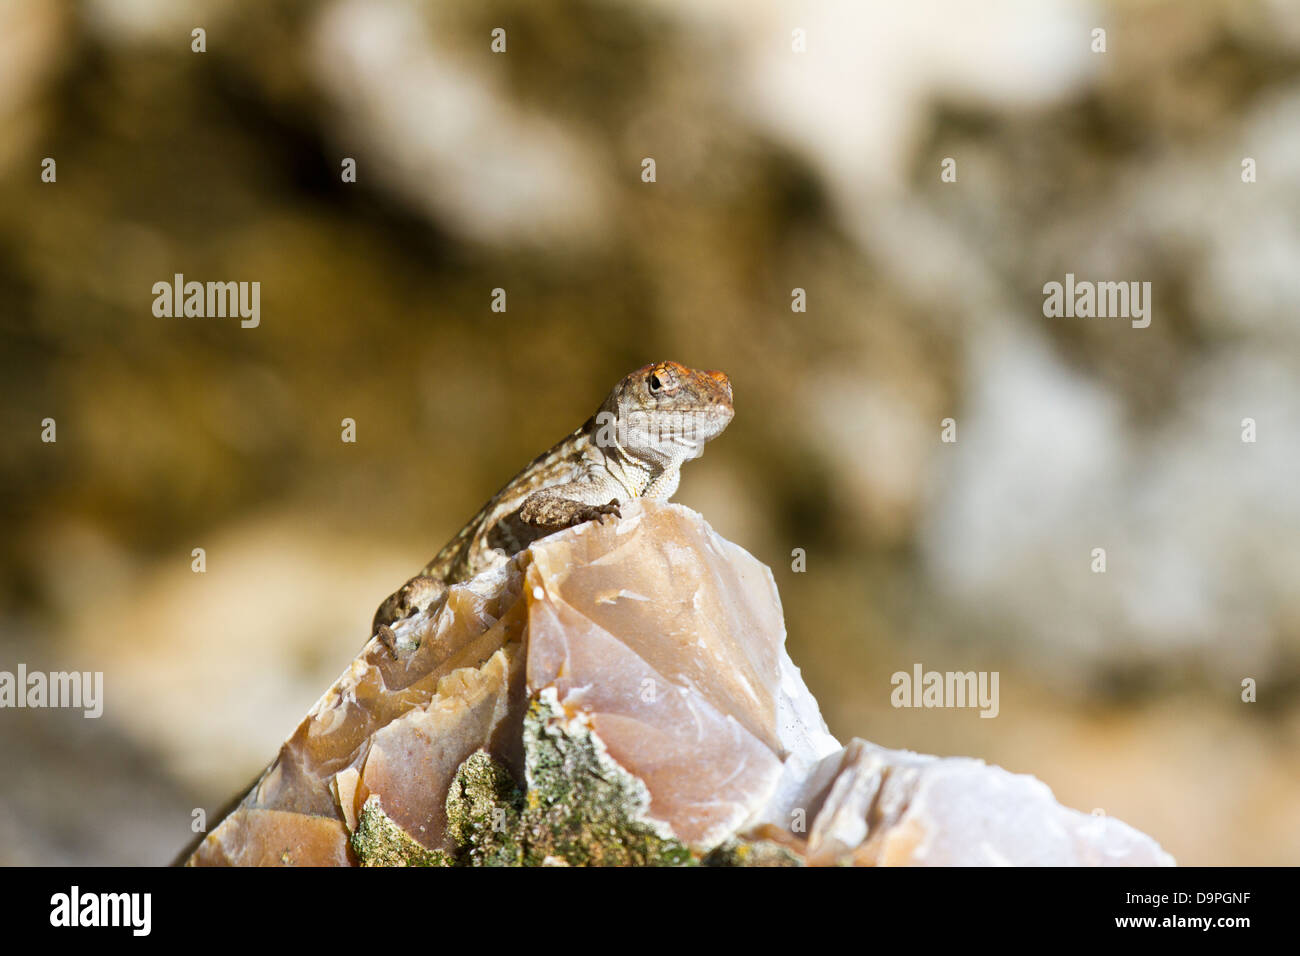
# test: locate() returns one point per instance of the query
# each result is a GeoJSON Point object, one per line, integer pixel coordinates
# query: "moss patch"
{"type": "Point", "coordinates": [740, 852]}
{"type": "Point", "coordinates": [379, 841]}
{"type": "Point", "coordinates": [580, 807]}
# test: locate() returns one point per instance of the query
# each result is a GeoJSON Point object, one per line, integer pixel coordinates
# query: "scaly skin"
{"type": "Point", "coordinates": [653, 421]}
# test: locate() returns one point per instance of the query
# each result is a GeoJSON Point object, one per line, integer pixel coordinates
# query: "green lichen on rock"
{"type": "Point", "coordinates": [580, 807]}
{"type": "Point", "coordinates": [483, 813]}
{"type": "Point", "coordinates": [378, 841]}
{"type": "Point", "coordinates": [742, 852]}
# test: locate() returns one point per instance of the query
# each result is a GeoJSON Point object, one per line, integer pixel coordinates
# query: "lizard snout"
{"type": "Point", "coordinates": [721, 379]}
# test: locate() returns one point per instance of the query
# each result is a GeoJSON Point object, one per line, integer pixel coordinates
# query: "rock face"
{"type": "Point", "coordinates": [620, 694]}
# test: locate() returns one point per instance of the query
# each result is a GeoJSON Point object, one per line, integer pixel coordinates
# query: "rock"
{"type": "Point", "coordinates": [620, 693]}
{"type": "Point", "coordinates": [397, 730]}
{"type": "Point", "coordinates": [876, 807]}
{"type": "Point", "coordinates": [670, 641]}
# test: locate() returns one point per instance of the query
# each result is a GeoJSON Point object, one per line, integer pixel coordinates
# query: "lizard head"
{"type": "Point", "coordinates": [665, 412]}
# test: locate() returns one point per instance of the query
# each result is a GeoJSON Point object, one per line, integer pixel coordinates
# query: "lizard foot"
{"type": "Point", "coordinates": [387, 638]}
{"type": "Point", "coordinates": [597, 512]}
{"type": "Point", "coordinates": [417, 594]}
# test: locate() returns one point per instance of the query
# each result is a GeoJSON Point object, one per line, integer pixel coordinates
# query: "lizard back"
{"type": "Point", "coordinates": [497, 530]}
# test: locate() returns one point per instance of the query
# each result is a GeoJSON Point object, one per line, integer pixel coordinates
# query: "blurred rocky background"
{"type": "Point", "coordinates": [776, 170]}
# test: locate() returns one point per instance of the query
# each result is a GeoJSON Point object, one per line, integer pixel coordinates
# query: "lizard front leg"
{"type": "Point", "coordinates": [563, 506]}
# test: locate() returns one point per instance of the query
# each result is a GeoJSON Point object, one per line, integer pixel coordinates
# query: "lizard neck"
{"type": "Point", "coordinates": [632, 472]}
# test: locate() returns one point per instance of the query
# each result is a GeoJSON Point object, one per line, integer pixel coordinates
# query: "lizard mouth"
{"type": "Point", "coordinates": [701, 426]}
{"type": "Point", "coordinates": [694, 447]}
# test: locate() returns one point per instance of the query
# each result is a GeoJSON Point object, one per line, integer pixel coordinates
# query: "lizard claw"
{"type": "Point", "coordinates": [387, 638]}
{"type": "Point", "coordinates": [600, 512]}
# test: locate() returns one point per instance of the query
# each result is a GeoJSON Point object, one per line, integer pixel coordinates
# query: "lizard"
{"type": "Point", "coordinates": [655, 419]}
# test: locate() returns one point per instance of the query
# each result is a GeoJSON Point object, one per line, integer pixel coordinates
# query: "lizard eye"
{"type": "Point", "coordinates": [655, 384]}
